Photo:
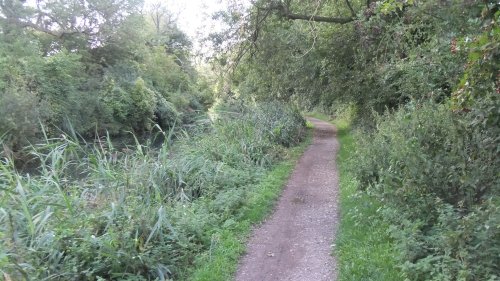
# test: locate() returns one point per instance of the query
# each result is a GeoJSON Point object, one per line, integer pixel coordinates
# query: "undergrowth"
{"type": "Point", "coordinates": [364, 247]}
{"type": "Point", "coordinates": [96, 212]}
{"type": "Point", "coordinates": [437, 176]}
{"type": "Point", "coordinates": [228, 243]}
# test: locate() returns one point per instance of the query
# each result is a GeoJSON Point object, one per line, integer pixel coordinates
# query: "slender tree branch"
{"type": "Point", "coordinates": [318, 18]}
{"type": "Point", "coordinates": [26, 24]}
{"type": "Point", "coordinates": [353, 13]}
{"type": "Point", "coordinates": [284, 12]}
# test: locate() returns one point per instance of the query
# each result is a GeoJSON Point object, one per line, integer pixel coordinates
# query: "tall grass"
{"type": "Point", "coordinates": [95, 212]}
{"type": "Point", "coordinates": [228, 243]}
{"type": "Point", "coordinates": [364, 246]}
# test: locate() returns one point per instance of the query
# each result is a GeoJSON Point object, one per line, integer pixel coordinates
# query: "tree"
{"type": "Point", "coordinates": [91, 66]}
{"type": "Point", "coordinates": [168, 35]}
{"type": "Point", "coordinates": [283, 9]}
{"type": "Point", "coordinates": [91, 19]}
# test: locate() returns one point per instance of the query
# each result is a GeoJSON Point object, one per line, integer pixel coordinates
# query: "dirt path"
{"type": "Point", "coordinates": [294, 244]}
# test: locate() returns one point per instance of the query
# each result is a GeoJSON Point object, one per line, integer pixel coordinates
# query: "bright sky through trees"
{"type": "Point", "coordinates": [193, 16]}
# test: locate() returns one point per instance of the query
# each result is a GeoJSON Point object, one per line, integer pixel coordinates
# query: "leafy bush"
{"type": "Point", "coordinates": [166, 114]}
{"type": "Point", "coordinates": [143, 106]}
{"type": "Point", "coordinates": [439, 182]}
{"type": "Point", "coordinates": [21, 117]}
{"type": "Point", "coordinates": [90, 86]}
{"type": "Point", "coordinates": [281, 121]}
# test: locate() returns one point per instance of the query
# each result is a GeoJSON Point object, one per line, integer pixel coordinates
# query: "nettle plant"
{"type": "Point", "coordinates": [435, 166]}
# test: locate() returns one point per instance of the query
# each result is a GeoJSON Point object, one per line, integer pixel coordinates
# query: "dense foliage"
{"type": "Point", "coordinates": [95, 212]}
{"type": "Point", "coordinates": [422, 80]}
{"type": "Point", "coordinates": [93, 67]}
{"type": "Point", "coordinates": [434, 162]}
{"type": "Point", "coordinates": [108, 171]}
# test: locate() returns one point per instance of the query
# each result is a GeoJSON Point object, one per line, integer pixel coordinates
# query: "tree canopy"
{"type": "Point", "coordinates": [421, 80]}
{"type": "Point", "coordinates": [85, 65]}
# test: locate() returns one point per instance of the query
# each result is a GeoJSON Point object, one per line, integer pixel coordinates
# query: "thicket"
{"type": "Point", "coordinates": [422, 80]}
{"type": "Point", "coordinates": [96, 212]}
{"type": "Point", "coordinates": [93, 67]}
{"type": "Point", "coordinates": [433, 160]}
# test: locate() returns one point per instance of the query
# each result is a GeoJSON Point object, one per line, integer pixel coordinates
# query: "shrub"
{"type": "Point", "coordinates": [22, 114]}
{"type": "Point", "coordinates": [143, 106]}
{"type": "Point", "coordinates": [166, 114]}
{"type": "Point", "coordinates": [439, 182]}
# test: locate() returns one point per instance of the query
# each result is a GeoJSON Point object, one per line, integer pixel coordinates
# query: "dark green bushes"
{"type": "Point", "coordinates": [433, 159]}
{"type": "Point", "coordinates": [122, 79]}
{"type": "Point", "coordinates": [102, 213]}
{"type": "Point", "coordinates": [439, 183]}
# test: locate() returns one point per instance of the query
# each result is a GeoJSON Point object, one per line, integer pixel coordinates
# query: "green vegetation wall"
{"type": "Point", "coordinates": [91, 67]}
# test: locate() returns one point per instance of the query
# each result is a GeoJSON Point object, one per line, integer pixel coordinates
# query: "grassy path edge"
{"type": "Point", "coordinates": [220, 263]}
{"type": "Point", "coordinates": [364, 248]}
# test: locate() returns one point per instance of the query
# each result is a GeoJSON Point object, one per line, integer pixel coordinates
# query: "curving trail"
{"type": "Point", "coordinates": [295, 243]}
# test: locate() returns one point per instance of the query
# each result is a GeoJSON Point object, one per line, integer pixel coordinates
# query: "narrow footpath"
{"type": "Point", "coordinates": [295, 243]}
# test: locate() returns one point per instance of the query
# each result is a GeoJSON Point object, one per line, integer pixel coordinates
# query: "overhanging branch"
{"type": "Point", "coordinates": [318, 18]}
{"type": "Point", "coordinates": [353, 13]}
{"type": "Point", "coordinates": [40, 28]}
{"type": "Point", "coordinates": [284, 12]}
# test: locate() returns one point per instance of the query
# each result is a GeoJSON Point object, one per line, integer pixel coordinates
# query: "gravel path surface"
{"type": "Point", "coordinates": [295, 243]}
